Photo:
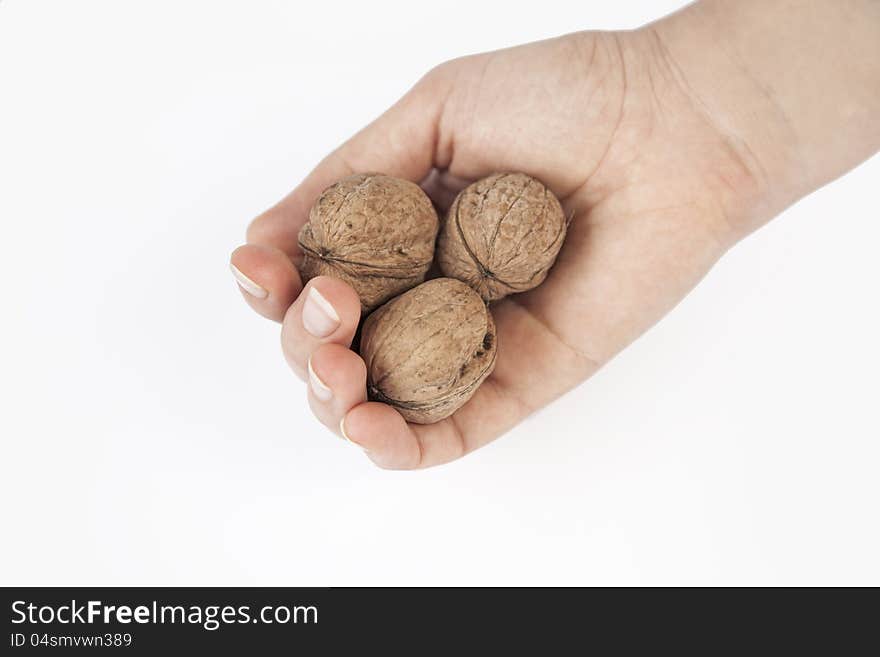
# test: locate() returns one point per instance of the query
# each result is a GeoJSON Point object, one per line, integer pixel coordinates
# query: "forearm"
{"type": "Point", "coordinates": [795, 84]}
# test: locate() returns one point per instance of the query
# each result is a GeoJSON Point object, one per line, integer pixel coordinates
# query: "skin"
{"type": "Point", "coordinates": [666, 144]}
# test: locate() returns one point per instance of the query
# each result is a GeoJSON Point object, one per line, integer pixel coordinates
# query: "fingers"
{"type": "Point", "coordinates": [384, 435]}
{"type": "Point", "coordinates": [327, 312]}
{"type": "Point", "coordinates": [338, 398]}
{"type": "Point", "coordinates": [267, 279]}
{"type": "Point", "coordinates": [337, 395]}
{"type": "Point", "coordinates": [337, 383]}
{"type": "Point", "coordinates": [393, 444]}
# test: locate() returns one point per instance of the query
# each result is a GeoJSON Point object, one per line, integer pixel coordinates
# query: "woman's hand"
{"type": "Point", "coordinates": [658, 180]}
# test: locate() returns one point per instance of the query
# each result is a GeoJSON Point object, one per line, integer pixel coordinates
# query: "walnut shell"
{"type": "Point", "coordinates": [374, 232]}
{"type": "Point", "coordinates": [429, 349]}
{"type": "Point", "coordinates": [502, 235]}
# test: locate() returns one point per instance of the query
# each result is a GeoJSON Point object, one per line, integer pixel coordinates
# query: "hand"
{"type": "Point", "coordinates": [657, 184]}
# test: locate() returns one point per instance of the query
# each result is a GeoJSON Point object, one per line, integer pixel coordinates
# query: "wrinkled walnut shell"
{"type": "Point", "coordinates": [429, 349]}
{"type": "Point", "coordinates": [374, 232]}
{"type": "Point", "coordinates": [502, 235]}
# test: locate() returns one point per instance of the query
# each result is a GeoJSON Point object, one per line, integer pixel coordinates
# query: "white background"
{"type": "Point", "coordinates": [152, 434]}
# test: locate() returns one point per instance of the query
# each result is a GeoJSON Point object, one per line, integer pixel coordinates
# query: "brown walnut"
{"type": "Point", "coordinates": [374, 232]}
{"type": "Point", "coordinates": [429, 349]}
{"type": "Point", "coordinates": [502, 235]}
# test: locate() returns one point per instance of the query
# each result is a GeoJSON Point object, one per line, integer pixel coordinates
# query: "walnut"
{"type": "Point", "coordinates": [374, 232]}
{"type": "Point", "coordinates": [429, 349]}
{"type": "Point", "coordinates": [502, 235]}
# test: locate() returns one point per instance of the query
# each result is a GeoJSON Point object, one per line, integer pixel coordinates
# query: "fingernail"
{"type": "Point", "coordinates": [319, 388]}
{"type": "Point", "coordinates": [318, 316]}
{"type": "Point", "coordinates": [247, 284]}
{"type": "Point", "coordinates": [345, 435]}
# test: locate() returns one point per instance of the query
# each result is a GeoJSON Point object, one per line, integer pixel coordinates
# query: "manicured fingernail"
{"type": "Point", "coordinates": [318, 315]}
{"type": "Point", "coordinates": [247, 284]}
{"type": "Point", "coordinates": [319, 388]}
{"type": "Point", "coordinates": [345, 435]}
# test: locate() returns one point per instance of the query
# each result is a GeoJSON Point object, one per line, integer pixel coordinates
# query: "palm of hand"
{"type": "Point", "coordinates": [606, 121]}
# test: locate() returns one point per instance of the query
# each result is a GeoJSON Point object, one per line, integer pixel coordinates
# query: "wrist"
{"type": "Point", "coordinates": [795, 92]}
